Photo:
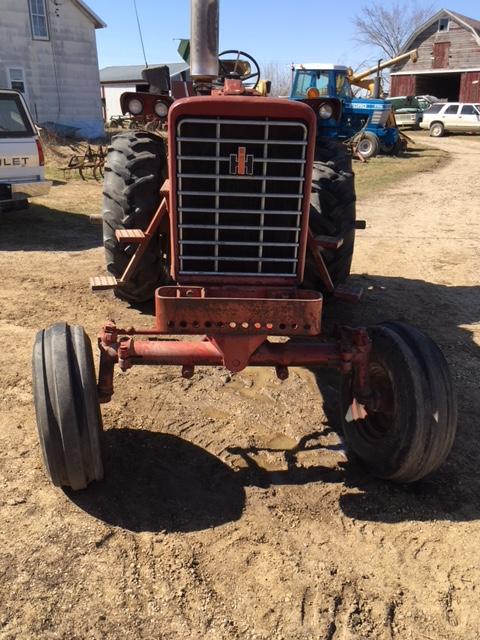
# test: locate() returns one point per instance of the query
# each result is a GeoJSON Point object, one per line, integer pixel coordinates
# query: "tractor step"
{"type": "Point", "coordinates": [329, 242]}
{"type": "Point", "coordinates": [103, 283]}
{"type": "Point", "coordinates": [348, 293]}
{"type": "Point", "coordinates": [130, 236]}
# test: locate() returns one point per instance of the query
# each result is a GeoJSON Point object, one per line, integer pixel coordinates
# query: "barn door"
{"type": "Point", "coordinates": [470, 87]}
{"type": "Point", "coordinates": [441, 52]}
{"type": "Point", "coordinates": [403, 86]}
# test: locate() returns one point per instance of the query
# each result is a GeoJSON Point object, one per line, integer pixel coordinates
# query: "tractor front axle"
{"type": "Point", "coordinates": [348, 352]}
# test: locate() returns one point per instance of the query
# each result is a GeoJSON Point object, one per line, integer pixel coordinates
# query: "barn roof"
{"type": "Point", "coordinates": [468, 23]}
{"type": "Point", "coordinates": [133, 72]}
{"type": "Point", "coordinates": [98, 22]}
{"type": "Point", "coordinates": [474, 24]}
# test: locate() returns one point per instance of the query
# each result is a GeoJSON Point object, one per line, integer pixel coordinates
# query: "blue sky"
{"type": "Point", "coordinates": [280, 31]}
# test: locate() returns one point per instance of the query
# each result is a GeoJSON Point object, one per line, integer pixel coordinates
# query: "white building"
{"type": "Point", "coordinates": [48, 51]}
{"type": "Point", "coordinates": [118, 80]}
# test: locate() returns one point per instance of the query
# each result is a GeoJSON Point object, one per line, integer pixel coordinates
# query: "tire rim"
{"type": "Point", "coordinates": [365, 147]}
{"type": "Point", "coordinates": [377, 417]}
{"type": "Point", "coordinates": [436, 130]}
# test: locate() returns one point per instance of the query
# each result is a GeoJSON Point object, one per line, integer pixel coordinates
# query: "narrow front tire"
{"type": "Point", "coordinates": [407, 428]}
{"type": "Point", "coordinates": [68, 414]}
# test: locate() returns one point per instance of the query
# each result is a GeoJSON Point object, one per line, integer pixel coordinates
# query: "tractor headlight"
{"type": "Point", "coordinates": [325, 111]}
{"type": "Point", "coordinates": [161, 109]}
{"type": "Point", "coordinates": [135, 106]}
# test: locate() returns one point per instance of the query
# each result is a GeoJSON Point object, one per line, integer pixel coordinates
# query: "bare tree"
{"type": "Point", "coordinates": [281, 76]}
{"type": "Point", "coordinates": [389, 27]}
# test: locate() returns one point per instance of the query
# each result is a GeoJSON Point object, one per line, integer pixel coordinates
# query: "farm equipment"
{"type": "Point", "coordinates": [241, 237]}
{"type": "Point", "coordinates": [364, 80]}
{"type": "Point", "coordinates": [368, 123]}
{"type": "Point", "coordinates": [90, 160]}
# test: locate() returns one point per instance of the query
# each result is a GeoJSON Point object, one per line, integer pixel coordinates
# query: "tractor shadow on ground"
{"type": "Point", "coordinates": [159, 482]}
{"type": "Point", "coordinates": [452, 493]}
{"type": "Point", "coordinates": [256, 470]}
{"type": "Point", "coordinates": [40, 228]}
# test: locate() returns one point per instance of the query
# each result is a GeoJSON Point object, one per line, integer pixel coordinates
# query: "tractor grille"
{"type": "Point", "coordinates": [379, 117]}
{"type": "Point", "coordinates": [240, 189]}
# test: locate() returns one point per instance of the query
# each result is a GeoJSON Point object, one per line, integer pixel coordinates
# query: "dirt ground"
{"type": "Point", "coordinates": [229, 510]}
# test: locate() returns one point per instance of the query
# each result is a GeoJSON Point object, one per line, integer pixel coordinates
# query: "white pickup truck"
{"type": "Point", "coordinates": [22, 162]}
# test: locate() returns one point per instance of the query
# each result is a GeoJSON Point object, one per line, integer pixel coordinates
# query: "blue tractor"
{"type": "Point", "coordinates": [368, 122]}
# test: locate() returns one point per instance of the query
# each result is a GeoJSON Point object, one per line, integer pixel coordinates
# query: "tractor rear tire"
{"type": "Point", "coordinates": [69, 421]}
{"type": "Point", "coordinates": [332, 210]}
{"type": "Point", "coordinates": [135, 170]}
{"type": "Point", "coordinates": [411, 430]}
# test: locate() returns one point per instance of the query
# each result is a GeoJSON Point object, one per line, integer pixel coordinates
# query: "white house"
{"type": "Point", "coordinates": [48, 51]}
{"type": "Point", "coordinates": [118, 80]}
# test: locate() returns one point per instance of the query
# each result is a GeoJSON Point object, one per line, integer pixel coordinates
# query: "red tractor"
{"type": "Point", "coordinates": [241, 228]}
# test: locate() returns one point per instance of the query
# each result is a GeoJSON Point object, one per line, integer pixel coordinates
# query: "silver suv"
{"type": "Point", "coordinates": [22, 163]}
{"type": "Point", "coordinates": [451, 116]}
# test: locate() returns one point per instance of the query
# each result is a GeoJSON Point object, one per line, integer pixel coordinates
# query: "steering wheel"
{"type": "Point", "coordinates": [241, 57]}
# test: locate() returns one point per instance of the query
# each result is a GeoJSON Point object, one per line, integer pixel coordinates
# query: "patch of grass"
{"type": "Point", "coordinates": [59, 177]}
{"type": "Point", "coordinates": [376, 175]}
{"type": "Point", "coordinates": [68, 199]}
{"type": "Point", "coordinates": [385, 171]}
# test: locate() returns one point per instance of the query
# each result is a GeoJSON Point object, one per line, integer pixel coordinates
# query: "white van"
{"type": "Point", "coordinates": [22, 162]}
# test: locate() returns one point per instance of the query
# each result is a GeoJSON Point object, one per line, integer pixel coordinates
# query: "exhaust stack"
{"type": "Point", "coordinates": [204, 40]}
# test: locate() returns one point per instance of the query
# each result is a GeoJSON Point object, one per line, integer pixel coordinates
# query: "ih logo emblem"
{"type": "Point", "coordinates": [241, 164]}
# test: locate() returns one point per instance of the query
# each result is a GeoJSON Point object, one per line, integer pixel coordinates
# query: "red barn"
{"type": "Point", "coordinates": [448, 65]}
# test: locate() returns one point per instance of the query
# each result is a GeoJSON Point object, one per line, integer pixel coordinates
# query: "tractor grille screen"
{"type": "Point", "coordinates": [240, 189]}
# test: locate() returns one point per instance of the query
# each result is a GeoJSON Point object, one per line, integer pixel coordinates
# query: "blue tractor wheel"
{"type": "Point", "coordinates": [367, 144]}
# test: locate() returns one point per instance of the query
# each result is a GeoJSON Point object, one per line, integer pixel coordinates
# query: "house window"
{"type": "Point", "coordinates": [17, 79]}
{"type": "Point", "coordinates": [38, 17]}
{"type": "Point", "coordinates": [443, 24]}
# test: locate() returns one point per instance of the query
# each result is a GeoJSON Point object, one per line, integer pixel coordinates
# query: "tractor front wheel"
{"type": "Point", "coordinates": [407, 426]}
{"type": "Point", "coordinates": [69, 421]}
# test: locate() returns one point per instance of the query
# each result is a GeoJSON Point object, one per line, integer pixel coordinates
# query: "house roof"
{"type": "Point", "coordinates": [468, 23]}
{"type": "Point", "coordinates": [98, 22]}
{"type": "Point", "coordinates": [133, 72]}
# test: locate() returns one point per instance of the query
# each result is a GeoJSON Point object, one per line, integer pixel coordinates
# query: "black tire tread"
{"type": "Point", "coordinates": [332, 210]}
{"type": "Point", "coordinates": [68, 414]}
{"type": "Point", "coordinates": [135, 170]}
{"type": "Point", "coordinates": [425, 423]}
{"type": "Point", "coordinates": [390, 458]}
{"type": "Point", "coordinates": [443, 402]}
